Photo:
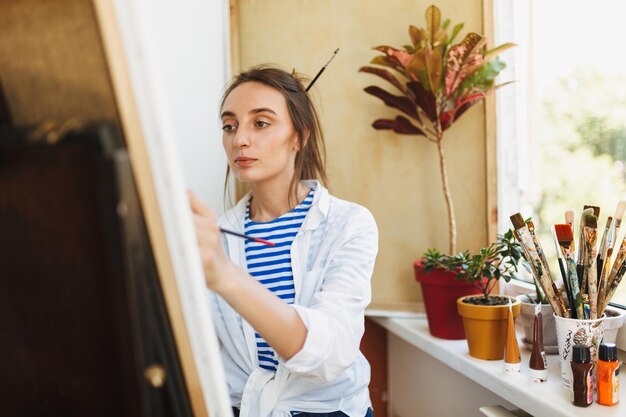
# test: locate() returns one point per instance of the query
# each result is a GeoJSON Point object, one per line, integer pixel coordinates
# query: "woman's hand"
{"type": "Point", "coordinates": [214, 261]}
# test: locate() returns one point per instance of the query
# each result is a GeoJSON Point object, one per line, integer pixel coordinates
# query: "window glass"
{"type": "Point", "coordinates": [562, 125]}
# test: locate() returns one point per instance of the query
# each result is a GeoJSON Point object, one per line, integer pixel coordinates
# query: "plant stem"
{"type": "Point", "coordinates": [446, 193]}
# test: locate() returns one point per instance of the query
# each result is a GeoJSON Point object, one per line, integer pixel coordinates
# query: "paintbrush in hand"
{"type": "Point", "coordinates": [255, 239]}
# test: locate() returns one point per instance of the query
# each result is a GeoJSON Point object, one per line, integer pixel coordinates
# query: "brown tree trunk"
{"type": "Point", "coordinates": [446, 193]}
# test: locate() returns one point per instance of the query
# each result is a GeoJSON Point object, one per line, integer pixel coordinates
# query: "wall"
{"type": "Point", "coordinates": [421, 386]}
{"type": "Point", "coordinates": [396, 177]}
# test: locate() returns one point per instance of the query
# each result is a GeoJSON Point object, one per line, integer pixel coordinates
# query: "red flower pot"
{"type": "Point", "coordinates": [440, 290]}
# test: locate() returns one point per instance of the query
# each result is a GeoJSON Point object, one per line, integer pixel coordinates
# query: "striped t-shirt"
{"type": "Point", "coordinates": [271, 265]}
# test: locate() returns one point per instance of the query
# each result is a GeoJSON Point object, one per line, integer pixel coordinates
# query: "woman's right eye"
{"type": "Point", "coordinates": [229, 128]}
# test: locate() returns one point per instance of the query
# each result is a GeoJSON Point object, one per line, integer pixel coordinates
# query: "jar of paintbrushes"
{"type": "Point", "coordinates": [590, 271]}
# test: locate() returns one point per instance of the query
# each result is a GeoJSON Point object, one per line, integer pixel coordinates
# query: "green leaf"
{"type": "Point", "coordinates": [492, 53]}
{"type": "Point", "coordinates": [455, 31]}
{"type": "Point", "coordinates": [433, 21]}
{"type": "Point", "coordinates": [416, 36]}
{"type": "Point", "coordinates": [483, 79]}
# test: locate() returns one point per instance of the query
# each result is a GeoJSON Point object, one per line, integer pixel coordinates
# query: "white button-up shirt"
{"type": "Point", "coordinates": [332, 259]}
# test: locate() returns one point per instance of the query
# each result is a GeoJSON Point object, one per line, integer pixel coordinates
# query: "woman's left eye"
{"type": "Point", "coordinates": [261, 124]}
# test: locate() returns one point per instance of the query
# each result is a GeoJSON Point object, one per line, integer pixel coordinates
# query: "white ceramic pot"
{"type": "Point", "coordinates": [613, 320]}
{"type": "Point", "coordinates": [527, 319]}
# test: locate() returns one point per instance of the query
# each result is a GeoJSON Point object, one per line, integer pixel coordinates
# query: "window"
{"type": "Point", "coordinates": [562, 126]}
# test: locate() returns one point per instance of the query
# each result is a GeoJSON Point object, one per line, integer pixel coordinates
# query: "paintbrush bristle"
{"type": "Point", "coordinates": [591, 221]}
{"type": "Point", "coordinates": [596, 210]}
{"type": "Point", "coordinates": [564, 233]}
{"type": "Point", "coordinates": [518, 221]}
{"type": "Point", "coordinates": [586, 212]}
{"type": "Point", "coordinates": [569, 216]}
{"type": "Point", "coordinates": [619, 213]}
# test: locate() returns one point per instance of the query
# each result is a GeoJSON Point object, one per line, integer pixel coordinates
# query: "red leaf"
{"type": "Point", "coordinates": [462, 59]}
{"type": "Point", "coordinates": [401, 103]}
{"type": "Point", "coordinates": [383, 73]}
{"type": "Point", "coordinates": [424, 98]}
{"type": "Point", "coordinates": [400, 125]}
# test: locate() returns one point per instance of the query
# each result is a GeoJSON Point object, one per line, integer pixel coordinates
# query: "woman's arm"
{"type": "Point", "coordinates": [277, 322]}
{"type": "Point", "coordinates": [334, 317]}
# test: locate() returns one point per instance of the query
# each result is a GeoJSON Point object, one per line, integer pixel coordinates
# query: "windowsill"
{"type": "Point", "coordinates": [517, 287]}
{"type": "Point", "coordinates": [546, 399]}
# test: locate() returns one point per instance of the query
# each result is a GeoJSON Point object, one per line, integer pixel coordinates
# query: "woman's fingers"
{"type": "Point", "coordinates": [198, 206]}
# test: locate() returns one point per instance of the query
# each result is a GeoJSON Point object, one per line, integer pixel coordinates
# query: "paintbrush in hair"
{"type": "Point", "coordinates": [322, 70]}
{"type": "Point", "coordinates": [255, 239]}
{"type": "Point", "coordinates": [565, 239]}
{"type": "Point", "coordinates": [580, 260]}
{"type": "Point", "coordinates": [562, 268]}
{"type": "Point", "coordinates": [526, 241]}
{"type": "Point", "coordinates": [591, 251]}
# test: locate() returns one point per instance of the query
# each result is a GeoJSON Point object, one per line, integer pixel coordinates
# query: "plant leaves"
{"type": "Point", "coordinates": [385, 61]}
{"type": "Point", "coordinates": [426, 67]}
{"type": "Point", "coordinates": [402, 57]}
{"type": "Point", "coordinates": [399, 125]}
{"type": "Point", "coordinates": [416, 36]}
{"type": "Point", "coordinates": [424, 99]}
{"type": "Point", "coordinates": [383, 73]}
{"type": "Point", "coordinates": [401, 103]}
{"type": "Point", "coordinates": [462, 59]}
{"type": "Point", "coordinates": [433, 22]}
{"type": "Point", "coordinates": [433, 67]}
{"type": "Point", "coordinates": [492, 53]}
{"type": "Point", "coordinates": [460, 107]}
{"type": "Point", "coordinates": [483, 79]}
{"type": "Point", "coordinates": [455, 31]}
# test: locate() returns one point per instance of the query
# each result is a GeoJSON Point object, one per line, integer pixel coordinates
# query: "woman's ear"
{"type": "Point", "coordinates": [304, 141]}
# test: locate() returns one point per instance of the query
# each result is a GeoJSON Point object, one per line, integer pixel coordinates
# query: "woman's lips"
{"type": "Point", "coordinates": [244, 162]}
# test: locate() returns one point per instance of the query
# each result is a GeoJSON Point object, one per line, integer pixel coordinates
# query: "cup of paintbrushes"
{"type": "Point", "coordinates": [570, 332]}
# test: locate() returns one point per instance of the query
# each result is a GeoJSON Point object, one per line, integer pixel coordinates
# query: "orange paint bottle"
{"type": "Point", "coordinates": [608, 374]}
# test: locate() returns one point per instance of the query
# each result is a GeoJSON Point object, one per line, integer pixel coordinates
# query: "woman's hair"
{"type": "Point", "coordinates": [311, 158]}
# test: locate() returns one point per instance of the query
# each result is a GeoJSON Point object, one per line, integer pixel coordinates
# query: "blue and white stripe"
{"type": "Point", "coordinates": [271, 265]}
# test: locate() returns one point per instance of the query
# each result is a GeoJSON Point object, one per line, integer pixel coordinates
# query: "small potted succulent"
{"type": "Point", "coordinates": [485, 315]}
{"type": "Point", "coordinates": [438, 80]}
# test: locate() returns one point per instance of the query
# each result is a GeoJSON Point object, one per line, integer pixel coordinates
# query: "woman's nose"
{"type": "Point", "coordinates": [241, 139]}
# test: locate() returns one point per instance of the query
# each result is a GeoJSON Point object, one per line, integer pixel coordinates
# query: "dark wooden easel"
{"type": "Point", "coordinates": [83, 325]}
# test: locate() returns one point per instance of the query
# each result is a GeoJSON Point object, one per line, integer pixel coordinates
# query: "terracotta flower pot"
{"type": "Point", "coordinates": [440, 290]}
{"type": "Point", "coordinates": [485, 327]}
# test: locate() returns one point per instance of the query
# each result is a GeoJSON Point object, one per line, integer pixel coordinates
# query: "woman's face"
{"type": "Point", "coordinates": [258, 135]}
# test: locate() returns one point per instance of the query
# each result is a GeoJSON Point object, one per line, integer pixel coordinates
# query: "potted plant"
{"type": "Point", "coordinates": [438, 81]}
{"type": "Point", "coordinates": [485, 315]}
